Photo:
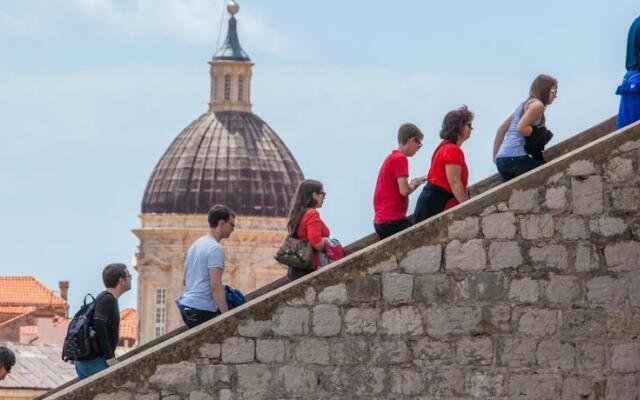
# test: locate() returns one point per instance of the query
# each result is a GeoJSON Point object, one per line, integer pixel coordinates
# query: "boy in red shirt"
{"type": "Point", "coordinates": [391, 196]}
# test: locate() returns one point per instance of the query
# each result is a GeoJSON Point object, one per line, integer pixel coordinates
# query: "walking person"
{"type": "Point", "coordinates": [203, 297]}
{"type": "Point", "coordinates": [448, 174]}
{"type": "Point", "coordinates": [305, 222]}
{"type": "Point", "coordinates": [509, 153]}
{"type": "Point", "coordinates": [106, 321]}
{"type": "Point", "coordinates": [391, 195]}
{"type": "Point", "coordinates": [629, 89]}
{"type": "Point", "coordinates": [7, 361]}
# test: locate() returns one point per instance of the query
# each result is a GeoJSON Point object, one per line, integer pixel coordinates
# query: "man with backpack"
{"type": "Point", "coordinates": [105, 322]}
{"type": "Point", "coordinates": [204, 294]}
{"type": "Point", "coordinates": [7, 361]}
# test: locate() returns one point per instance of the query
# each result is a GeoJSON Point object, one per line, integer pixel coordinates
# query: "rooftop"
{"type": "Point", "coordinates": [37, 367]}
{"type": "Point", "coordinates": [25, 291]}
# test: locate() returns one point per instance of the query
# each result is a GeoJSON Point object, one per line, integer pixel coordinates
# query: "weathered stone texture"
{"type": "Point", "coordinates": [534, 227]}
{"type": "Point", "coordinates": [467, 229]}
{"type": "Point", "coordinates": [397, 288]}
{"type": "Point", "coordinates": [423, 260]}
{"type": "Point", "coordinates": [499, 226]}
{"type": "Point", "coordinates": [587, 195]}
{"type": "Point", "coordinates": [467, 256]}
{"type": "Point", "coordinates": [504, 255]}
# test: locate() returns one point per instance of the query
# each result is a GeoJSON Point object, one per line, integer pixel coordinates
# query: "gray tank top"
{"type": "Point", "coordinates": [513, 142]}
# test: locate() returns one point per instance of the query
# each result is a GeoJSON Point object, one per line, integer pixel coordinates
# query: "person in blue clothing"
{"type": "Point", "coordinates": [629, 89]}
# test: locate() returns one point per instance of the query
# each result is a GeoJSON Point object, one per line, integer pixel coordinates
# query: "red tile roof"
{"type": "Point", "coordinates": [129, 324]}
{"type": "Point", "coordinates": [16, 310]}
{"type": "Point", "coordinates": [28, 291]}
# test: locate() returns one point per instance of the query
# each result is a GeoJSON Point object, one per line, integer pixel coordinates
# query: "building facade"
{"type": "Point", "coordinates": [230, 156]}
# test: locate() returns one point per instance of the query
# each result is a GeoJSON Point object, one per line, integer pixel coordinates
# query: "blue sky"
{"type": "Point", "coordinates": [93, 91]}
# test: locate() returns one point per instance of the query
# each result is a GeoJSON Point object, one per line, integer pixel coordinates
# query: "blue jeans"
{"type": "Point", "coordinates": [510, 167]}
{"type": "Point", "coordinates": [193, 317]}
{"type": "Point", "coordinates": [90, 367]}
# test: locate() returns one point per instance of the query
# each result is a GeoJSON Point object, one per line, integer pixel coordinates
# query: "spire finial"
{"type": "Point", "coordinates": [233, 8]}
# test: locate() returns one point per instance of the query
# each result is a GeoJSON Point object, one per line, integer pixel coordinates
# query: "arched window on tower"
{"type": "Point", "coordinates": [227, 87]}
{"type": "Point", "coordinates": [241, 88]}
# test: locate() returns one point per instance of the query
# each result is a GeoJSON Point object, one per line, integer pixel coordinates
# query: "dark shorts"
{"type": "Point", "coordinates": [511, 167]}
{"type": "Point", "coordinates": [193, 317]}
{"type": "Point", "coordinates": [433, 199]}
{"type": "Point", "coordinates": [389, 228]}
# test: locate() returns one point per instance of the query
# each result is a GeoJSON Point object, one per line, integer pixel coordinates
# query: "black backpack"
{"type": "Point", "coordinates": [77, 343]}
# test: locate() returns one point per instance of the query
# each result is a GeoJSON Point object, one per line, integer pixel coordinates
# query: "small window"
{"type": "Point", "coordinates": [160, 311]}
{"type": "Point", "coordinates": [241, 88]}
{"type": "Point", "coordinates": [227, 87]}
{"type": "Point", "coordinates": [214, 86]}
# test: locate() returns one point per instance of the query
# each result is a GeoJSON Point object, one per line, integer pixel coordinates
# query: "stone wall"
{"type": "Point", "coordinates": [528, 291]}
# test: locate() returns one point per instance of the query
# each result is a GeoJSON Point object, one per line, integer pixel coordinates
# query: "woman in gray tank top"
{"type": "Point", "coordinates": [508, 147]}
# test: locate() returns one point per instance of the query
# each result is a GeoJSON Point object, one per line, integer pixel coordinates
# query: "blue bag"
{"type": "Point", "coordinates": [234, 297]}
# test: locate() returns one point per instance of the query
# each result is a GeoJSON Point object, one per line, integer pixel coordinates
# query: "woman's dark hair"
{"type": "Point", "coordinates": [7, 358]}
{"type": "Point", "coordinates": [217, 213]}
{"type": "Point", "coordinates": [633, 47]}
{"type": "Point", "coordinates": [541, 88]}
{"type": "Point", "coordinates": [303, 199]}
{"type": "Point", "coordinates": [112, 273]}
{"type": "Point", "coordinates": [454, 122]}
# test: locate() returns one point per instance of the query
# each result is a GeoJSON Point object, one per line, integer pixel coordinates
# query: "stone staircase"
{"type": "Point", "coordinates": [522, 292]}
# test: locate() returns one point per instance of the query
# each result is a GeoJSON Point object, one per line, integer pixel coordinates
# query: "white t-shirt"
{"type": "Point", "coordinates": [204, 253]}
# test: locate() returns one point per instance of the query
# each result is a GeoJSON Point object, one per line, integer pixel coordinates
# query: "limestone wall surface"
{"type": "Point", "coordinates": [528, 291]}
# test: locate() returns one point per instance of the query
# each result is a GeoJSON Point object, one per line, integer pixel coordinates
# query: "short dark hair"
{"type": "Point", "coordinates": [407, 132]}
{"type": "Point", "coordinates": [112, 273]}
{"type": "Point", "coordinates": [7, 358]}
{"type": "Point", "coordinates": [454, 122]}
{"type": "Point", "coordinates": [219, 212]}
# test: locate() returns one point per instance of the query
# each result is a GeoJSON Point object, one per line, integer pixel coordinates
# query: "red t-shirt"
{"type": "Point", "coordinates": [388, 203]}
{"type": "Point", "coordinates": [313, 230]}
{"type": "Point", "coordinates": [447, 153]}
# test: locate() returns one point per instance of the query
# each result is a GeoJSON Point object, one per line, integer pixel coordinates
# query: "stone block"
{"type": "Point", "coordinates": [485, 385]}
{"type": "Point", "coordinates": [583, 323]}
{"type": "Point", "coordinates": [563, 289]}
{"type": "Point", "coordinates": [406, 382]}
{"type": "Point", "coordinates": [619, 169]}
{"type": "Point", "coordinates": [466, 229]}
{"type": "Point", "coordinates": [309, 298]}
{"type": "Point", "coordinates": [336, 294]}
{"type": "Point", "coordinates": [495, 319]}
{"type": "Point", "coordinates": [581, 168]}
{"type": "Point", "coordinates": [251, 328]}
{"type": "Point", "coordinates": [606, 290]}
{"type": "Point", "coordinates": [587, 195]}
{"type": "Point", "coordinates": [366, 382]}
{"type": "Point", "coordinates": [556, 198]}
{"type": "Point", "coordinates": [350, 351]}
{"type": "Point", "coordinates": [537, 321]}
{"type": "Point", "coordinates": [587, 258]}
{"type": "Point", "coordinates": [366, 289]}
{"type": "Point", "coordinates": [556, 354]}
{"type": "Point", "coordinates": [297, 379]}
{"type": "Point", "coordinates": [524, 290]}
{"type": "Point", "coordinates": [550, 256]}
{"type": "Point", "coordinates": [361, 321]}
{"type": "Point", "coordinates": [516, 352]}
{"type": "Point", "coordinates": [179, 376]}
{"type": "Point", "coordinates": [533, 387]}
{"type": "Point", "coordinates": [499, 226]}
{"type": "Point", "coordinates": [326, 320]}
{"type": "Point", "coordinates": [270, 350]}
{"type": "Point", "coordinates": [625, 357]}
{"type": "Point", "coordinates": [423, 260]}
{"type": "Point", "coordinates": [578, 388]}
{"type": "Point", "coordinates": [622, 322]}
{"type": "Point", "coordinates": [388, 265]}
{"type": "Point", "coordinates": [634, 283]}
{"type": "Point", "coordinates": [236, 350]}
{"type": "Point", "coordinates": [433, 289]}
{"type": "Point", "coordinates": [626, 199]}
{"type": "Point", "coordinates": [504, 255]}
{"type": "Point", "coordinates": [404, 320]}
{"type": "Point", "coordinates": [226, 394]}
{"type": "Point", "coordinates": [486, 286]}
{"type": "Point", "coordinates": [431, 350]}
{"type": "Point", "coordinates": [467, 256]}
{"type": "Point", "coordinates": [253, 376]}
{"type": "Point", "coordinates": [623, 256]}
{"type": "Point", "coordinates": [291, 321]}
{"type": "Point", "coordinates": [312, 351]}
{"type": "Point", "coordinates": [148, 396]}
{"type": "Point", "coordinates": [445, 382]}
{"type": "Point", "coordinates": [591, 356]}
{"type": "Point", "coordinates": [537, 226]}
{"type": "Point", "coordinates": [574, 228]}
{"type": "Point", "coordinates": [212, 374]}
{"type": "Point", "coordinates": [607, 226]}
{"type": "Point", "coordinates": [623, 387]}
{"type": "Point", "coordinates": [475, 351]}
{"type": "Point", "coordinates": [524, 200]}
{"type": "Point", "coordinates": [210, 350]}
{"type": "Point", "coordinates": [197, 395]}
{"type": "Point", "coordinates": [447, 321]}
{"type": "Point", "coordinates": [387, 352]}
{"type": "Point", "coordinates": [397, 288]}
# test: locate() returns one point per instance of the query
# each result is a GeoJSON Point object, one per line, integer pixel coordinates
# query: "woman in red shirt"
{"type": "Point", "coordinates": [448, 175]}
{"type": "Point", "coordinates": [305, 223]}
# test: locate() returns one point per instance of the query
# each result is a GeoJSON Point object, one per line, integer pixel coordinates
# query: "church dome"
{"type": "Point", "coordinates": [227, 157]}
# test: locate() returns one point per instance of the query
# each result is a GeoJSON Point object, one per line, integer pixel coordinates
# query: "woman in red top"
{"type": "Point", "coordinates": [305, 223]}
{"type": "Point", "coordinates": [448, 175]}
